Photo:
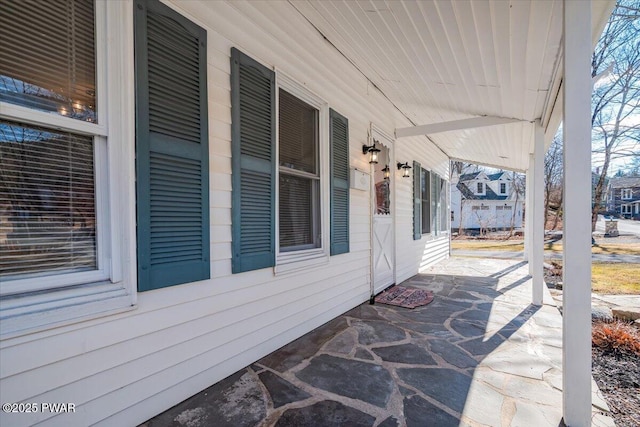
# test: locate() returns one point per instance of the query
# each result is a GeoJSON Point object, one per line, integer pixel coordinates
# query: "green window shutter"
{"type": "Point", "coordinates": [339, 182]}
{"type": "Point", "coordinates": [417, 201]}
{"type": "Point", "coordinates": [172, 154]}
{"type": "Point", "coordinates": [253, 135]}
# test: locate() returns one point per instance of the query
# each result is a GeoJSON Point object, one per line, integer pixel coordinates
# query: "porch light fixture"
{"type": "Point", "coordinates": [405, 169]}
{"type": "Point", "coordinates": [373, 152]}
{"type": "Point", "coordinates": [387, 172]}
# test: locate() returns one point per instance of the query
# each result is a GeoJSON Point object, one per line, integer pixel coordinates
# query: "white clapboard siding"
{"type": "Point", "coordinates": [416, 255]}
{"type": "Point", "coordinates": [125, 368]}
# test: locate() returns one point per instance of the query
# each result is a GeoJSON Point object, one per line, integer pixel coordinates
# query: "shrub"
{"type": "Point", "coordinates": [616, 337]}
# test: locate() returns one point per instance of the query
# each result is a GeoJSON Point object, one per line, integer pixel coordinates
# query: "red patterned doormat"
{"type": "Point", "coordinates": [405, 297]}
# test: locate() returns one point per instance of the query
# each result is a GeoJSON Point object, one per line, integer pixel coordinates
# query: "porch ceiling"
{"type": "Point", "coordinates": [440, 61]}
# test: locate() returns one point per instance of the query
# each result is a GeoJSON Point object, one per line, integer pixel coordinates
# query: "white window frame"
{"type": "Point", "coordinates": [69, 298]}
{"type": "Point", "coordinates": [43, 281]}
{"type": "Point", "coordinates": [484, 188]}
{"type": "Point", "coordinates": [505, 187]}
{"type": "Point", "coordinates": [291, 261]}
{"type": "Point", "coordinates": [627, 193]}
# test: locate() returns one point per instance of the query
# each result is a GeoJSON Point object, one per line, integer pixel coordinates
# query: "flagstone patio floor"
{"type": "Point", "coordinates": [479, 355]}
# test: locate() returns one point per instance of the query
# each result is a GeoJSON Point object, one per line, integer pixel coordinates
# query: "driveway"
{"type": "Point", "coordinates": [625, 226]}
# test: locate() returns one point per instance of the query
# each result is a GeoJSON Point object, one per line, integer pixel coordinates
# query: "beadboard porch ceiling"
{"type": "Point", "coordinates": [439, 61]}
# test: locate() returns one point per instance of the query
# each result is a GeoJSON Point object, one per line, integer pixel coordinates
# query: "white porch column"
{"type": "Point", "coordinates": [528, 206]}
{"type": "Point", "coordinates": [576, 337]}
{"type": "Point", "coordinates": [537, 226]}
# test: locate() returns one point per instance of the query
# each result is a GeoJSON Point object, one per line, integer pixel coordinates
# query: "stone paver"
{"type": "Point", "coordinates": [326, 413]}
{"type": "Point", "coordinates": [479, 354]}
{"type": "Point", "coordinates": [280, 390]}
{"type": "Point", "coordinates": [368, 382]}
{"type": "Point", "coordinates": [608, 307]}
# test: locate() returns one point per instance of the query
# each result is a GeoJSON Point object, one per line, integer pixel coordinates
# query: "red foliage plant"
{"type": "Point", "coordinates": [617, 337]}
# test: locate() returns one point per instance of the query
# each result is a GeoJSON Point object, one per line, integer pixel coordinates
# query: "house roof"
{"type": "Point", "coordinates": [495, 176]}
{"type": "Point", "coordinates": [470, 195]}
{"type": "Point", "coordinates": [474, 175]}
{"type": "Point", "coordinates": [442, 61]}
{"type": "Point", "coordinates": [625, 182]}
{"type": "Point", "coordinates": [469, 176]}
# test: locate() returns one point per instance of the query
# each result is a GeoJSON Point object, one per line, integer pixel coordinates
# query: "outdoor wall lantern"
{"type": "Point", "coordinates": [405, 169]}
{"type": "Point", "coordinates": [372, 150]}
{"type": "Point", "coordinates": [387, 172]}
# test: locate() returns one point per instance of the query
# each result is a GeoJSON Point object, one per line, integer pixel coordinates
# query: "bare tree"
{"type": "Point", "coordinates": [517, 189]}
{"type": "Point", "coordinates": [553, 176]}
{"type": "Point", "coordinates": [616, 97]}
{"type": "Point", "coordinates": [634, 166]}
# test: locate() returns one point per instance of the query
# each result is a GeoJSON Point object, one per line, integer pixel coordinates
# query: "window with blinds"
{"type": "Point", "coordinates": [435, 202]}
{"type": "Point", "coordinates": [47, 58]}
{"type": "Point", "coordinates": [425, 189]}
{"type": "Point", "coordinates": [299, 178]}
{"type": "Point", "coordinates": [47, 179]}
{"type": "Point", "coordinates": [47, 202]}
{"type": "Point", "coordinates": [444, 195]}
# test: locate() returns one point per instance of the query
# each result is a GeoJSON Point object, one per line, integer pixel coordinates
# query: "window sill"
{"type": "Point", "coordinates": [27, 314]}
{"type": "Point", "coordinates": [297, 261]}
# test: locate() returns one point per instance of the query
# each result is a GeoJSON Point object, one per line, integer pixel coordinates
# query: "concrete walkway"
{"type": "Point", "coordinates": [478, 355]}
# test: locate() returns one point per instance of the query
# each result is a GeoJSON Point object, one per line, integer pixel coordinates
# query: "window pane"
{"type": "Point", "coordinates": [382, 184]}
{"type": "Point", "coordinates": [444, 191]}
{"type": "Point", "coordinates": [47, 59]}
{"type": "Point", "coordinates": [298, 134]}
{"type": "Point", "coordinates": [435, 198]}
{"type": "Point", "coordinates": [426, 203]}
{"type": "Point", "coordinates": [298, 212]}
{"type": "Point", "coordinates": [47, 202]}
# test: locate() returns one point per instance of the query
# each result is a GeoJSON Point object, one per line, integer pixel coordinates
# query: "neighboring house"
{"type": "Point", "coordinates": [481, 201]}
{"type": "Point", "coordinates": [635, 209]}
{"type": "Point", "coordinates": [623, 195]}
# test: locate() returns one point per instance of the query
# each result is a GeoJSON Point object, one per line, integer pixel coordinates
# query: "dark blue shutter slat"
{"type": "Point", "coordinates": [339, 183]}
{"type": "Point", "coordinates": [417, 201]}
{"type": "Point", "coordinates": [172, 155]}
{"type": "Point", "coordinates": [253, 130]}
